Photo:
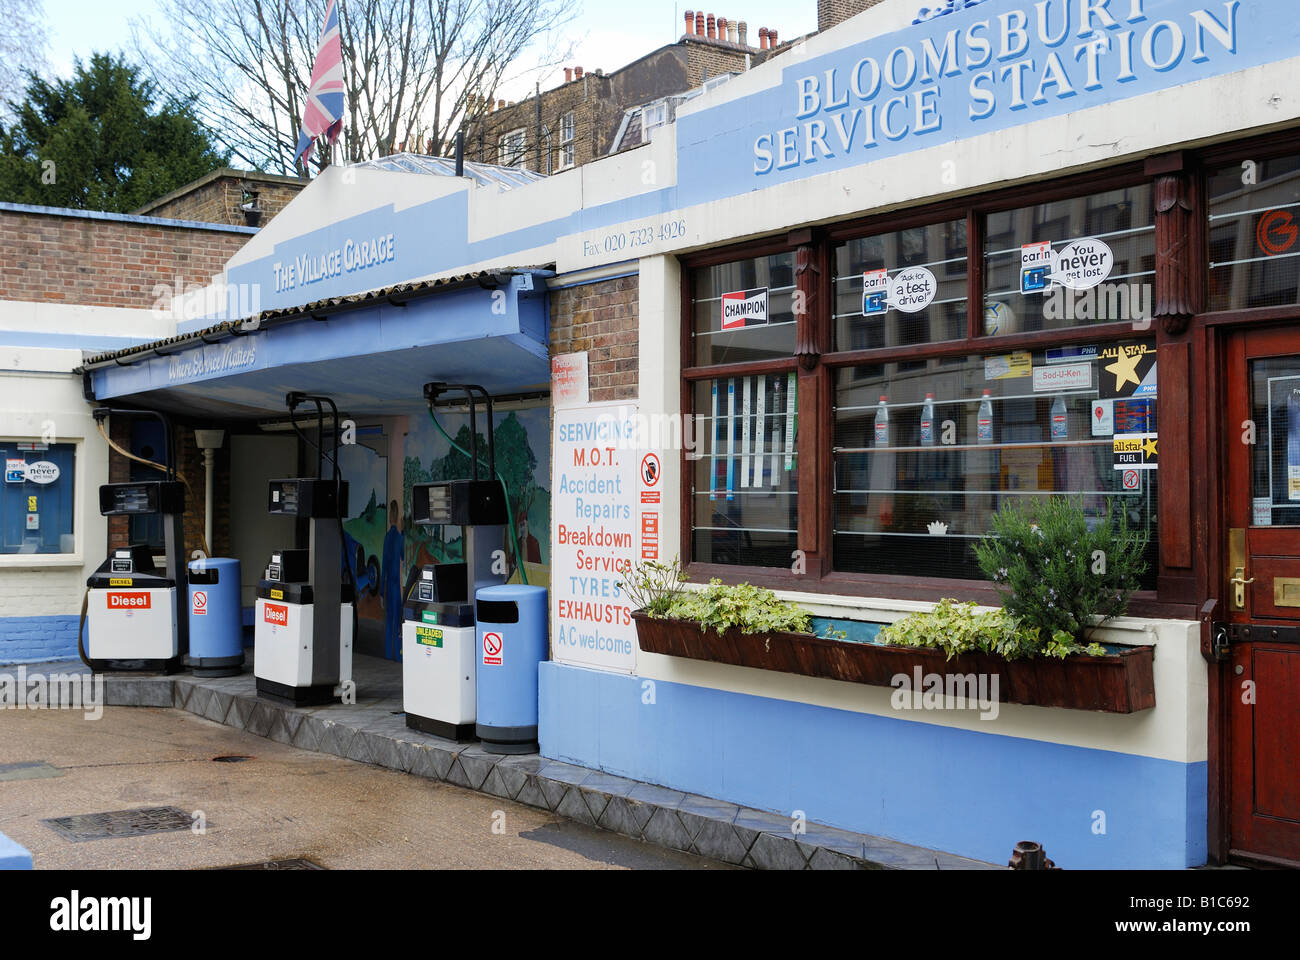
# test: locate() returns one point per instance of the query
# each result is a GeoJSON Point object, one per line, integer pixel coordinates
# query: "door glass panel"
{"type": "Point", "coordinates": [1275, 464]}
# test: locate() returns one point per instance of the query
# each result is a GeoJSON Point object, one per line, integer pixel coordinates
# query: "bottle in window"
{"type": "Point", "coordinates": [1060, 420]}
{"type": "Point", "coordinates": [882, 423]}
{"type": "Point", "coordinates": [984, 422]}
{"type": "Point", "coordinates": [927, 421]}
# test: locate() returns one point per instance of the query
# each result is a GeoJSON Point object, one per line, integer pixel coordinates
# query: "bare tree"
{"type": "Point", "coordinates": [23, 41]}
{"type": "Point", "coordinates": [414, 71]}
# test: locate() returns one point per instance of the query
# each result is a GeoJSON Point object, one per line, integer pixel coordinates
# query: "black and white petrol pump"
{"type": "Point", "coordinates": [135, 611]}
{"type": "Point", "coordinates": [303, 626]}
{"type": "Point", "coordinates": [439, 643]}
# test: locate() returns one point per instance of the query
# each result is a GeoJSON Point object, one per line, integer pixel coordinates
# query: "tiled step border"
{"type": "Point", "coordinates": [668, 818]}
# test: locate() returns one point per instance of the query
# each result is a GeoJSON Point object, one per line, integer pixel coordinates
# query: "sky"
{"type": "Point", "coordinates": [608, 35]}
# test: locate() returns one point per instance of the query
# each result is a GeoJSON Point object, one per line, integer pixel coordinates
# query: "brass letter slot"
{"type": "Point", "coordinates": [1286, 591]}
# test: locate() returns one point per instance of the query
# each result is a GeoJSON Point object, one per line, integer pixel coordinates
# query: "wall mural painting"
{"type": "Point", "coordinates": [523, 447]}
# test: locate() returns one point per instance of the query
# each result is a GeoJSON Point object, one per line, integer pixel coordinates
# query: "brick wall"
{"type": "Point", "coordinates": [75, 260]}
{"type": "Point", "coordinates": [831, 12]}
{"type": "Point", "coordinates": [38, 639]}
{"type": "Point", "coordinates": [219, 200]}
{"type": "Point", "coordinates": [600, 318]}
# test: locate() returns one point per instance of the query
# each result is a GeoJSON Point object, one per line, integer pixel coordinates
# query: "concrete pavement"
{"type": "Point", "coordinates": [283, 803]}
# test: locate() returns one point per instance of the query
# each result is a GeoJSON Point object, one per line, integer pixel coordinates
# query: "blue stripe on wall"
{"type": "Point", "coordinates": [37, 639]}
{"type": "Point", "coordinates": [966, 792]}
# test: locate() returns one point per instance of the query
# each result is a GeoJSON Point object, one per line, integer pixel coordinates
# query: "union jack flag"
{"type": "Point", "coordinates": [323, 115]}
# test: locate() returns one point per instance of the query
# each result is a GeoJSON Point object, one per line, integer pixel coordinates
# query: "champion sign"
{"type": "Point", "coordinates": [744, 308]}
{"type": "Point", "coordinates": [128, 601]}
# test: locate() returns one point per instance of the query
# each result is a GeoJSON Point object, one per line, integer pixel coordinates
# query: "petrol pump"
{"type": "Point", "coordinates": [303, 624]}
{"type": "Point", "coordinates": [137, 619]}
{"type": "Point", "coordinates": [439, 645]}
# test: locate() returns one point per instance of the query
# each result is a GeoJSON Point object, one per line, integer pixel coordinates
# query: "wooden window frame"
{"type": "Point", "coordinates": [817, 462]}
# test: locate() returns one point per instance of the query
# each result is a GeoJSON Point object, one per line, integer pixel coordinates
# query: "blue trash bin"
{"type": "Point", "coordinates": [511, 643]}
{"type": "Point", "coordinates": [216, 621]}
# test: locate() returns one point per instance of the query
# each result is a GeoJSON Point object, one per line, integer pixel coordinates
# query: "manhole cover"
{"type": "Point", "coordinates": [120, 823]}
{"type": "Point", "coordinates": [299, 863]}
{"type": "Point", "coordinates": [230, 758]}
{"type": "Point", "coordinates": [28, 770]}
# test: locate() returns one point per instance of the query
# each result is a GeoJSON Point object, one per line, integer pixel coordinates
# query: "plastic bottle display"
{"type": "Point", "coordinates": [1060, 420]}
{"type": "Point", "coordinates": [984, 422]}
{"type": "Point", "coordinates": [927, 421]}
{"type": "Point", "coordinates": [882, 423]}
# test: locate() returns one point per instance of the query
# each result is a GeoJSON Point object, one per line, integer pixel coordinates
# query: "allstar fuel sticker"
{"type": "Point", "coordinates": [1136, 451]}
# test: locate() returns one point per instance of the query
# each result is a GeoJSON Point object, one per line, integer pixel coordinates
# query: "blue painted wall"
{"type": "Point", "coordinates": [965, 792]}
{"type": "Point", "coordinates": [37, 639]}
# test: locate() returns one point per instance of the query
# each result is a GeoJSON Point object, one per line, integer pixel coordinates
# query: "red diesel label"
{"type": "Point", "coordinates": [276, 614]}
{"type": "Point", "coordinates": [128, 601]}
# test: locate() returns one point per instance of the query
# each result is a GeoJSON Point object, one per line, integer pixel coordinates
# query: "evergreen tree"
{"type": "Point", "coordinates": [105, 139]}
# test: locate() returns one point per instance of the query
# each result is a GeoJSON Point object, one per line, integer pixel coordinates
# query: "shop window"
{"type": "Point", "coordinates": [743, 311]}
{"type": "Point", "coordinates": [924, 456]}
{"type": "Point", "coordinates": [1021, 245]}
{"type": "Point", "coordinates": [929, 262]}
{"type": "Point", "coordinates": [38, 499]}
{"type": "Point", "coordinates": [745, 478]}
{"type": "Point", "coordinates": [1254, 225]}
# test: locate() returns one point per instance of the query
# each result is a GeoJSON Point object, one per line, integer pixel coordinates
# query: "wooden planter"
{"type": "Point", "coordinates": [1115, 683]}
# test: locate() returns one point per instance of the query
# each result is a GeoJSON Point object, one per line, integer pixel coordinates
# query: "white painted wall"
{"type": "Point", "coordinates": [52, 585]}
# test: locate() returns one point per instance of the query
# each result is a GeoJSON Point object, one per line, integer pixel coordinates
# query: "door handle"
{"type": "Point", "coordinates": [1239, 584]}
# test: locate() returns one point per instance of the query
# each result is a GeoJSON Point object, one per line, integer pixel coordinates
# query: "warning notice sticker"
{"type": "Point", "coordinates": [493, 648]}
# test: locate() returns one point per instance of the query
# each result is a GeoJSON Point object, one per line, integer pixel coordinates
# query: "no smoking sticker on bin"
{"type": "Point", "coordinates": [199, 605]}
{"type": "Point", "coordinates": [492, 648]}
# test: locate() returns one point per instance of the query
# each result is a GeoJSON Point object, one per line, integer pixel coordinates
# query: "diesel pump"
{"type": "Point", "coordinates": [304, 621]}
{"type": "Point", "coordinates": [136, 619]}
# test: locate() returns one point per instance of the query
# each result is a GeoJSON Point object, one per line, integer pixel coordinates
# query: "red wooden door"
{"type": "Point", "coordinates": [1262, 583]}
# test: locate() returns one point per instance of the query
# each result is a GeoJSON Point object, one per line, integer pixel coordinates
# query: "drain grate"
{"type": "Point", "coordinates": [120, 823]}
{"type": "Point", "coordinates": [231, 758]}
{"type": "Point", "coordinates": [28, 770]}
{"type": "Point", "coordinates": [298, 863]}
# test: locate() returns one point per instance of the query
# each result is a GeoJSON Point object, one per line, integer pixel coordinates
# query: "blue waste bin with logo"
{"type": "Point", "coordinates": [511, 643]}
{"type": "Point", "coordinates": [216, 621]}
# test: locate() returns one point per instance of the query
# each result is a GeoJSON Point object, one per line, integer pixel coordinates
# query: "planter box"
{"type": "Point", "coordinates": [1115, 683]}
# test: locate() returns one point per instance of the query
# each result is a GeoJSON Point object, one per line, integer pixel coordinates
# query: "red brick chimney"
{"type": "Point", "coordinates": [568, 74]}
{"type": "Point", "coordinates": [577, 73]}
{"type": "Point", "coordinates": [690, 22]}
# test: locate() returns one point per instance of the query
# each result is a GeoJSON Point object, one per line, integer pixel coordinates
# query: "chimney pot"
{"type": "Point", "coordinates": [577, 73]}
{"type": "Point", "coordinates": [762, 38]}
{"type": "Point", "coordinates": [731, 31]}
{"type": "Point", "coordinates": [712, 22]}
{"type": "Point", "coordinates": [568, 74]}
{"type": "Point", "coordinates": [501, 104]}
{"type": "Point", "coordinates": [771, 39]}
{"type": "Point", "coordinates": [690, 22]}
{"type": "Point", "coordinates": [699, 23]}
{"type": "Point", "coordinates": [743, 30]}
{"type": "Point", "coordinates": [722, 28]}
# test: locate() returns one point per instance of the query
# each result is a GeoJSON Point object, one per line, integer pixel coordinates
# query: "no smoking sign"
{"type": "Point", "coordinates": [493, 646]}
{"type": "Point", "coordinates": [199, 604]}
{"type": "Point", "coordinates": [1132, 480]}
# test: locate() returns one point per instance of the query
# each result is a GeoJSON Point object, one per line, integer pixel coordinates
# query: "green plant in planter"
{"type": "Point", "coordinates": [652, 586]}
{"type": "Point", "coordinates": [1057, 568]}
{"type": "Point", "coordinates": [745, 607]}
{"type": "Point", "coordinates": [957, 628]}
